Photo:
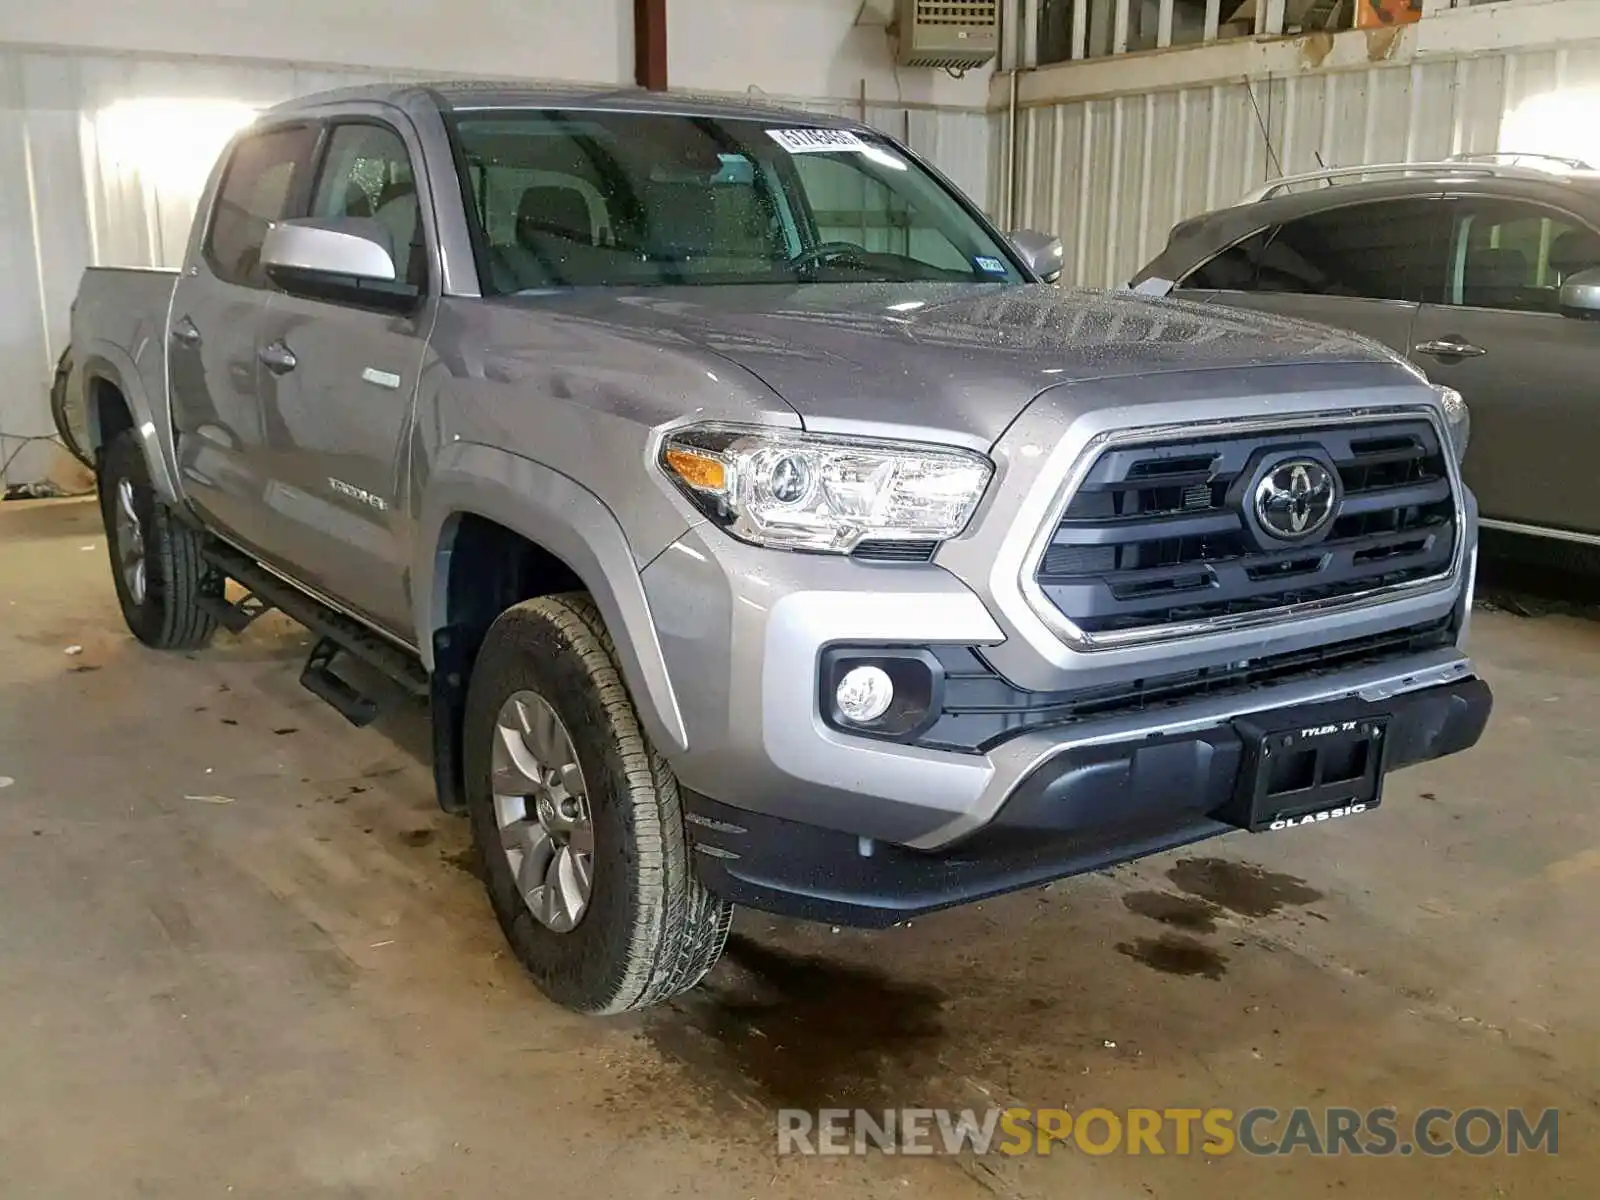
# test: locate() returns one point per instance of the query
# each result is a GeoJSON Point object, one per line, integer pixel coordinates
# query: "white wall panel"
{"type": "Point", "coordinates": [1113, 174]}
{"type": "Point", "coordinates": [91, 174]}
{"type": "Point", "coordinates": [585, 40]}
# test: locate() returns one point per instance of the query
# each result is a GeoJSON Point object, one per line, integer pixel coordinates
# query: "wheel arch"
{"type": "Point", "coordinates": [105, 375]}
{"type": "Point", "coordinates": [575, 540]}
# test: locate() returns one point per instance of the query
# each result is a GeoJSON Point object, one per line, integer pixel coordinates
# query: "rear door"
{"type": "Point", "coordinates": [1492, 329]}
{"type": "Point", "coordinates": [337, 389]}
{"type": "Point", "coordinates": [1359, 266]}
{"type": "Point", "coordinates": [216, 316]}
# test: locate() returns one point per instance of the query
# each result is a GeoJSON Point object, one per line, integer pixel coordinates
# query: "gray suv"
{"type": "Point", "coordinates": [758, 523]}
{"type": "Point", "coordinates": [1486, 272]}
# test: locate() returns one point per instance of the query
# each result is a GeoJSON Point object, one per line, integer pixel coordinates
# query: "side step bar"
{"type": "Point", "coordinates": [392, 673]}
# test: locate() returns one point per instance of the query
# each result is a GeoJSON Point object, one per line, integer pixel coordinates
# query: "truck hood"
{"type": "Point", "coordinates": [959, 357]}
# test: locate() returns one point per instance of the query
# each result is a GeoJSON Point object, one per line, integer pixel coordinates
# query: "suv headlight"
{"type": "Point", "coordinates": [1458, 417]}
{"type": "Point", "coordinates": [800, 491]}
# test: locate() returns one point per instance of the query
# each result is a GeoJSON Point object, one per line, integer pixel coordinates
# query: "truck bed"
{"type": "Point", "coordinates": [120, 316]}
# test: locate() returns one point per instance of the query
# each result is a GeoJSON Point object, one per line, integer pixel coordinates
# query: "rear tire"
{"type": "Point", "coordinates": [648, 929]}
{"type": "Point", "coordinates": [155, 558]}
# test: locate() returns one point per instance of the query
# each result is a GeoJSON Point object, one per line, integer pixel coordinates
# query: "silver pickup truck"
{"type": "Point", "coordinates": [759, 523]}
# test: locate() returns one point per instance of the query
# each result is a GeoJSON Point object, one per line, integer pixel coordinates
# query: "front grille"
{"type": "Point", "coordinates": [1157, 534]}
{"type": "Point", "coordinates": [981, 709]}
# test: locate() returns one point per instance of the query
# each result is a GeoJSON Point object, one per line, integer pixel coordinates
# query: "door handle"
{"type": "Point", "coordinates": [184, 331]}
{"type": "Point", "coordinates": [1451, 347]}
{"type": "Point", "coordinates": [278, 358]}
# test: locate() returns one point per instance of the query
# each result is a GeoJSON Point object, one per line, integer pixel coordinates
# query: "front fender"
{"type": "Point", "coordinates": [99, 359]}
{"type": "Point", "coordinates": [570, 522]}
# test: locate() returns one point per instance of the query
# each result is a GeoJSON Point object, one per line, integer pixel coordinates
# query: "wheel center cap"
{"type": "Point", "coordinates": [547, 811]}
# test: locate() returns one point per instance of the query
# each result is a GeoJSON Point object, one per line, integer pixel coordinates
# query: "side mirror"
{"type": "Point", "coordinates": [347, 260]}
{"type": "Point", "coordinates": [1580, 295]}
{"type": "Point", "coordinates": [1044, 254]}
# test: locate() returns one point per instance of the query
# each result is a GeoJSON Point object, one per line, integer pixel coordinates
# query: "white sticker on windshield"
{"type": "Point", "coordinates": [816, 141]}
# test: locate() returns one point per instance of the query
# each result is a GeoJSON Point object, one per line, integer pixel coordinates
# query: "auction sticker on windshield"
{"type": "Point", "coordinates": [816, 141]}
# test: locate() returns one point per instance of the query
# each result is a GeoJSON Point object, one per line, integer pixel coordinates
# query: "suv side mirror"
{"type": "Point", "coordinates": [1580, 295]}
{"type": "Point", "coordinates": [1044, 253]}
{"type": "Point", "coordinates": [347, 260]}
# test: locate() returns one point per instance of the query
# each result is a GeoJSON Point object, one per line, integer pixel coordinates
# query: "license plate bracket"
{"type": "Point", "coordinates": [1308, 772]}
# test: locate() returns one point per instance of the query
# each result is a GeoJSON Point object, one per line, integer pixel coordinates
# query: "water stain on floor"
{"type": "Point", "coordinates": [1242, 888]}
{"type": "Point", "coordinates": [1175, 954]}
{"type": "Point", "coordinates": [466, 860]}
{"type": "Point", "coordinates": [1189, 913]}
{"type": "Point", "coordinates": [788, 1030]}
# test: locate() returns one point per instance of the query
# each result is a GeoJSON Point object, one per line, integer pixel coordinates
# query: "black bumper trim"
{"type": "Point", "coordinates": [1081, 811]}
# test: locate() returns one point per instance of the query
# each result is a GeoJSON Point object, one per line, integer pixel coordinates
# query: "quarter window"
{"type": "Point", "coordinates": [1234, 270]}
{"type": "Point", "coordinates": [258, 188]}
{"type": "Point", "coordinates": [1509, 255]}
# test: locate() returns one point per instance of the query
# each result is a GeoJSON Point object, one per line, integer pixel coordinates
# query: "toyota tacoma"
{"type": "Point", "coordinates": [760, 525]}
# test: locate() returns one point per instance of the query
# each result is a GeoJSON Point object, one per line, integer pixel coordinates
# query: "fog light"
{"type": "Point", "coordinates": [864, 694]}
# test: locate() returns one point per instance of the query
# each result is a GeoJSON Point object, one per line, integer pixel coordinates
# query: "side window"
{"type": "Point", "coordinates": [1382, 250]}
{"type": "Point", "coordinates": [848, 205]}
{"type": "Point", "coordinates": [1511, 255]}
{"type": "Point", "coordinates": [367, 173]}
{"type": "Point", "coordinates": [258, 188]}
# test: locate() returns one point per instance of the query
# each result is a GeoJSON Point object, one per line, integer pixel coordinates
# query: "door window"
{"type": "Point", "coordinates": [1513, 256]}
{"type": "Point", "coordinates": [258, 188]}
{"type": "Point", "coordinates": [1375, 251]}
{"type": "Point", "coordinates": [849, 205]}
{"type": "Point", "coordinates": [1378, 250]}
{"type": "Point", "coordinates": [367, 173]}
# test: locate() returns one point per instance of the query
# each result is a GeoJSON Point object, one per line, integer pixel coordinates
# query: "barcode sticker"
{"type": "Point", "coordinates": [816, 141]}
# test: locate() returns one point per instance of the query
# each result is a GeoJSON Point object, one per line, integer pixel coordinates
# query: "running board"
{"type": "Point", "coordinates": [398, 675]}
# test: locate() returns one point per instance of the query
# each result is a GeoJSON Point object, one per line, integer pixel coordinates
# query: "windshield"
{"type": "Point", "coordinates": [583, 199]}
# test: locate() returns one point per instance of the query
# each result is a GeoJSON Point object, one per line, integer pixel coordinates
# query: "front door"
{"type": "Point", "coordinates": [216, 318]}
{"type": "Point", "coordinates": [1495, 333]}
{"type": "Point", "coordinates": [338, 385]}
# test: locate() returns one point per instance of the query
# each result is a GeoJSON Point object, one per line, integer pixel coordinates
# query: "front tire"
{"type": "Point", "coordinates": [585, 859]}
{"type": "Point", "coordinates": [155, 559]}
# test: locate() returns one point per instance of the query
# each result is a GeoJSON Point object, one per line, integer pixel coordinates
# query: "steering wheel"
{"type": "Point", "coordinates": [820, 254]}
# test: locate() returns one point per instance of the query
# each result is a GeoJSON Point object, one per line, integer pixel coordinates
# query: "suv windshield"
{"type": "Point", "coordinates": [582, 199]}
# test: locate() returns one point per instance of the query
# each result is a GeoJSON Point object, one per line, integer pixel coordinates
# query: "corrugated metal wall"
{"type": "Point", "coordinates": [1113, 175]}
{"type": "Point", "coordinates": [102, 159]}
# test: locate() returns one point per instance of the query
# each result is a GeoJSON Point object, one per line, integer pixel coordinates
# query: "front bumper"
{"type": "Point", "coordinates": [743, 630]}
{"type": "Point", "coordinates": [1088, 807]}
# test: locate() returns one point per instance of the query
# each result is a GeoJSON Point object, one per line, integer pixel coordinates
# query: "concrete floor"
{"type": "Point", "coordinates": [241, 953]}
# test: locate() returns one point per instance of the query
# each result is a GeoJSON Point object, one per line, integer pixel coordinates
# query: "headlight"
{"type": "Point", "coordinates": [1458, 417]}
{"type": "Point", "coordinates": [800, 491]}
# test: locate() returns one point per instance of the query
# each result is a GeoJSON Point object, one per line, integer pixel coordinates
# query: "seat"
{"type": "Point", "coordinates": [562, 212]}
{"type": "Point", "coordinates": [681, 221]}
{"type": "Point", "coordinates": [397, 210]}
{"type": "Point", "coordinates": [1494, 278]}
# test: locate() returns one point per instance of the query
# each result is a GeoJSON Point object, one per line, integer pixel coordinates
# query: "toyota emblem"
{"type": "Point", "coordinates": [1295, 500]}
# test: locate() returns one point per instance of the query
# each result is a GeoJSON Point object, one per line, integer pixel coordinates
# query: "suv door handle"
{"type": "Point", "coordinates": [184, 331]}
{"type": "Point", "coordinates": [278, 358]}
{"type": "Point", "coordinates": [1451, 347]}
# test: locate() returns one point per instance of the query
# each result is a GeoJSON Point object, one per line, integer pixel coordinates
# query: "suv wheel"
{"type": "Point", "coordinates": [577, 819]}
{"type": "Point", "coordinates": [155, 559]}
